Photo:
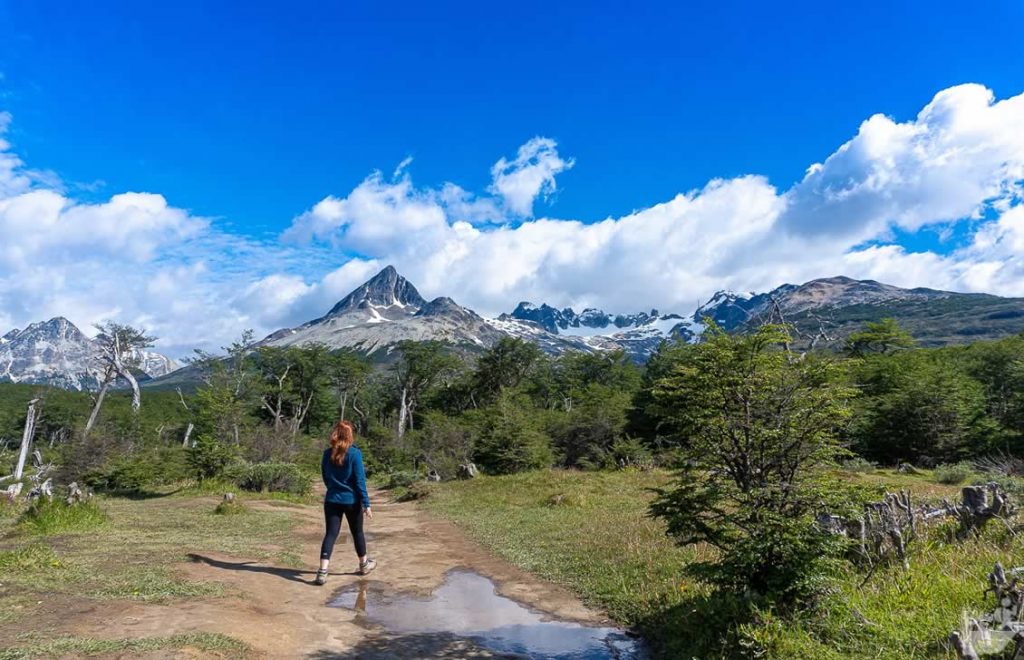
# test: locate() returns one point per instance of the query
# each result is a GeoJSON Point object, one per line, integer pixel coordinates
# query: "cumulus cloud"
{"type": "Point", "coordinates": [531, 174]}
{"type": "Point", "coordinates": [961, 160]}
{"type": "Point", "coordinates": [960, 155]}
{"type": "Point", "coordinates": [957, 165]}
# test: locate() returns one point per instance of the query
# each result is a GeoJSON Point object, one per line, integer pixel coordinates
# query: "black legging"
{"type": "Point", "coordinates": [332, 516]}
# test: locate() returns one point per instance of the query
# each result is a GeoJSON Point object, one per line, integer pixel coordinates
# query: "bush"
{"type": "Point", "coordinates": [511, 441]}
{"type": "Point", "coordinates": [631, 452]}
{"type": "Point", "coordinates": [954, 473]}
{"type": "Point", "coordinates": [137, 473]}
{"type": "Point", "coordinates": [229, 508]}
{"type": "Point", "coordinates": [209, 458]}
{"type": "Point", "coordinates": [416, 491]}
{"type": "Point", "coordinates": [857, 464]}
{"type": "Point", "coordinates": [400, 479]}
{"type": "Point", "coordinates": [760, 428]}
{"type": "Point", "coordinates": [57, 517]}
{"type": "Point", "coordinates": [277, 478]}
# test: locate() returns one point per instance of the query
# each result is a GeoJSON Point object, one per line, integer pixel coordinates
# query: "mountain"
{"type": "Point", "coordinates": [841, 305]}
{"type": "Point", "coordinates": [637, 334]}
{"type": "Point", "coordinates": [388, 309]}
{"type": "Point", "coordinates": [57, 353]}
{"type": "Point", "coordinates": [385, 310]}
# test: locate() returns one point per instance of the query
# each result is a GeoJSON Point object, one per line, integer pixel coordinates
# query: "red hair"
{"type": "Point", "coordinates": [342, 437]}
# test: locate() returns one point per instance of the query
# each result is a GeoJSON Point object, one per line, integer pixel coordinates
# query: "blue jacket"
{"type": "Point", "coordinates": [346, 484]}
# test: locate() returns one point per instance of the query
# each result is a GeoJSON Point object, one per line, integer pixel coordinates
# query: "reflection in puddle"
{"type": "Point", "coordinates": [467, 605]}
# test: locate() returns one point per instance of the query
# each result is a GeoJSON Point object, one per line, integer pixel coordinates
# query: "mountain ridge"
{"type": "Point", "coordinates": [56, 352]}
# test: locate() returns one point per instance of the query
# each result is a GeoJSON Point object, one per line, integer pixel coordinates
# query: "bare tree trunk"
{"type": "Point", "coordinates": [344, 400]}
{"type": "Point", "coordinates": [188, 434]}
{"type": "Point", "coordinates": [96, 409]}
{"type": "Point", "coordinates": [26, 437]}
{"type": "Point", "coordinates": [136, 393]}
{"type": "Point", "coordinates": [403, 411]}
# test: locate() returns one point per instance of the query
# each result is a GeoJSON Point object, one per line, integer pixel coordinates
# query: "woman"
{"type": "Point", "coordinates": [342, 469]}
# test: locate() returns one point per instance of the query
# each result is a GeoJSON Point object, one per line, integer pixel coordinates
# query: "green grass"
{"type": "Point", "coordinates": [132, 555]}
{"type": "Point", "coordinates": [590, 531]}
{"type": "Point", "coordinates": [35, 646]}
{"type": "Point", "coordinates": [47, 517]}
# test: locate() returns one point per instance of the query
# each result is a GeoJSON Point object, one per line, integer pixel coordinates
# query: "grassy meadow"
{"type": "Point", "coordinates": [125, 549]}
{"type": "Point", "coordinates": [590, 531]}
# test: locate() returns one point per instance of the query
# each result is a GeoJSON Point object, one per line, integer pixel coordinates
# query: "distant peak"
{"type": "Point", "coordinates": [384, 289]}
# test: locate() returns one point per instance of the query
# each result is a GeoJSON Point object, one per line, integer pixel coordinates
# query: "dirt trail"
{"type": "Point", "coordinates": [281, 614]}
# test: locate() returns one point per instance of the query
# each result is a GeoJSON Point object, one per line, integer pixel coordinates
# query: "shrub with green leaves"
{"type": "Point", "coordinates": [208, 458]}
{"type": "Point", "coordinates": [511, 440]}
{"type": "Point", "coordinates": [857, 464]}
{"type": "Point", "coordinates": [277, 478]}
{"type": "Point", "coordinates": [954, 473]}
{"type": "Point", "coordinates": [760, 423]}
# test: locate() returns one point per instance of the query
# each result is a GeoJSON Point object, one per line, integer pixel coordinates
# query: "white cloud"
{"type": "Point", "coordinates": [957, 165]}
{"type": "Point", "coordinates": [519, 182]}
{"type": "Point", "coordinates": [961, 153]}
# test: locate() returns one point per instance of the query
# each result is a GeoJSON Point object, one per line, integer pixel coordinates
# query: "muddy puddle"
{"type": "Point", "coordinates": [467, 605]}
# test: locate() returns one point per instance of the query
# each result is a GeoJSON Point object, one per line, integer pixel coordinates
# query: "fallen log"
{"type": "Point", "coordinates": [887, 527]}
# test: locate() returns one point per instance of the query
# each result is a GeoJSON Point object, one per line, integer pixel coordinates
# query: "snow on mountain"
{"type": "Point", "coordinates": [388, 309]}
{"type": "Point", "coordinates": [638, 334]}
{"type": "Point", "coordinates": [385, 310]}
{"type": "Point", "coordinates": [57, 353]}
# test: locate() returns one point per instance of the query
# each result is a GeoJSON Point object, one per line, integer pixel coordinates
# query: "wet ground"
{"type": "Point", "coordinates": [467, 606]}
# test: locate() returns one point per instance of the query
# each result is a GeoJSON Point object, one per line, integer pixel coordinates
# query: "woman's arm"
{"type": "Point", "coordinates": [323, 466]}
{"type": "Point", "coordinates": [361, 481]}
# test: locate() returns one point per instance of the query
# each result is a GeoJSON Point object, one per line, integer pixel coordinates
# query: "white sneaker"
{"type": "Point", "coordinates": [367, 566]}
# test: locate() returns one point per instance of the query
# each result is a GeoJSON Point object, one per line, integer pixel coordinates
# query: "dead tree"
{"type": "Point", "coordinates": [26, 438]}
{"type": "Point", "coordinates": [191, 427]}
{"type": "Point", "coordinates": [994, 631]}
{"type": "Point", "coordinates": [120, 350]}
{"type": "Point", "coordinates": [886, 528]}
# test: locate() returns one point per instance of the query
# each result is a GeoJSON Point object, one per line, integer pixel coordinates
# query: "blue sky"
{"type": "Point", "coordinates": [249, 111]}
{"type": "Point", "coordinates": [257, 125]}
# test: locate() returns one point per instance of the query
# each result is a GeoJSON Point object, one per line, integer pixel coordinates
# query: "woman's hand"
{"type": "Point", "coordinates": [369, 514]}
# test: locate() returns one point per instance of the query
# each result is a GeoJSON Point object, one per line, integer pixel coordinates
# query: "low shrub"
{"type": "Point", "coordinates": [57, 517]}
{"type": "Point", "coordinates": [953, 473]}
{"type": "Point", "coordinates": [135, 474]}
{"type": "Point", "coordinates": [208, 458]}
{"type": "Point", "coordinates": [419, 490]}
{"type": "Point", "coordinates": [857, 464]}
{"type": "Point", "coordinates": [400, 479]}
{"type": "Point", "coordinates": [276, 477]}
{"type": "Point", "coordinates": [229, 508]}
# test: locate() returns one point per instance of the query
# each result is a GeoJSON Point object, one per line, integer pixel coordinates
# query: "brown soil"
{"type": "Point", "coordinates": [281, 614]}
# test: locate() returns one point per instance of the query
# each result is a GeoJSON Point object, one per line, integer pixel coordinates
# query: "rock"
{"type": "Point", "coordinates": [467, 471]}
{"type": "Point", "coordinates": [433, 476]}
{"type": "Point", "coordinates": [229, 498]}
{"type": "Point", "coordinates": [75, 493]}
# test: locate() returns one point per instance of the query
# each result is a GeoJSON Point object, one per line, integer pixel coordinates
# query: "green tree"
{"type": "Point", "coordinates": [228, 390]}
{"type": "Point", "coordinates": [420, 366]}
{"type": "Point", "coordinates": [920, 407]}
{"type": "Point", "coordinates": [759, 423]}
{"type": "Point", "coordinates": [505, 365]}
{"type": "Point", "coordinates": [510, 437]}
{"type": "Point", "coordinates": [885, 336]}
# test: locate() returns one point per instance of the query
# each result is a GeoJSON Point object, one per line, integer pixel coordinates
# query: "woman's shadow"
{"type": "Point", "coordinates": [293, 574]}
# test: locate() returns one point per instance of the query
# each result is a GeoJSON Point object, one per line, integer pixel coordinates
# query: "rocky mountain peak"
{"type": "Point", "coordinates": [57, 353]}
{"type": "Point", "coordinates": [56, 329]}
{"type": "Point", "coordinates": [385, 289]}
